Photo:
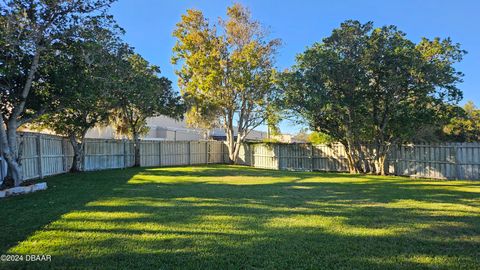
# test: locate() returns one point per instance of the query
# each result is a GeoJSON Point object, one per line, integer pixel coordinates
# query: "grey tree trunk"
{"type": "Point", "coordinates": [8, 127]}
{"type": "Point", "coordinates": [230, 145]}
{"type": "Point", "coordinates": [78, 154]}
{"type": "Point", "coordinates": [352, 156]}
{"type": "Point", "coordinates": [233, 146]}
{"type": "Point", "coordinates": [8, 140]}
{"type": "Point", "coordinates": [136, 146]}
{"type": "Point", "coordinates": [380, 159]}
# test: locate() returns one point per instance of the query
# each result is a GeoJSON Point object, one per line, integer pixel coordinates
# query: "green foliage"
{"type": "Point", "coordinates": [233, 217]}
{"type": "Point", "coordinates": [225, 72]}
{"type": "Point", "coordinates": [465, 127]}
{"type": "Point", "coordinates": [33, 34]}
{"type": "Point", "coordinates": [273, 118]}
{"type": "Point", "coordinates": [83, 74]}
{"type": "Point", "coordinates": [319, 138]}
{"type": "Point", "coordinates": [140, 93]}
{"type": "Point", "coordinates": [366, 85]}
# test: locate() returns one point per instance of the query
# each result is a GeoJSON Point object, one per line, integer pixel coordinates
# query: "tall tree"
{"type": "Point", "coordinates": [139, 94]}
{"type": "Point", "coordinates": [29, 32]}
{"type": "Point", "coordinates": [372, 86]}
{"type": "Point", "coordinates": [225, 76]}
{"type": "Point", "coordinates": [83, 73]}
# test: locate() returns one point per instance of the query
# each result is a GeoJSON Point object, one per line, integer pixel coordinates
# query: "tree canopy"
{"type": "Point", "coordinates": [372, 86]}
{"type": "Point", "coordinates": [31, 32]}
{"type": "Point", "coordinates": [83, 74]}
{"type": "Point", "coordinates": [225, 72]}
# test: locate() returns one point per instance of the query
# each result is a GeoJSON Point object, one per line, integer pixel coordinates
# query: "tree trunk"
{"type": "Point", "coordinates": [380, 159]}
{"type": "Point", "coordinates": [352, 168]}
{"type": "Point", "coordinates": [14, 171]}
{"type": "Point", "coordinates": [363, 162]}
{"type": "Point", "coordinates": [232, 152]}
{"type": "Point", "coordinates": [78, 154]}
{"type": "Point", "coordinates": [8, 130]}
{"type": "Point", "coordinates": [8, 140]}
{"type": "Point", "coordinates": [359, 158]}
{"type": "Point", "coordinates": [230, 145]}
{"type": "Point", "coordinates": [234, 145]}
{"type": "Point", "coordinates": [77, 160]}
{"type": "Point", "coordinates": [381, 165]}
{"type": "Point", "coordinates": [351, 164]}
{"type": "Point", "coordinates": [236, 150]}
{"type": "Point", "coordinates": [136, 147]}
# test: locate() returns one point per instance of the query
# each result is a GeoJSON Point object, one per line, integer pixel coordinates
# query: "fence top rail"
{"type": "Point", "coordinates": [36, 134]}
{"type": "Point", "coordinates": [179, 141]}
{"type": "Point", "coordinates": [444, 144]}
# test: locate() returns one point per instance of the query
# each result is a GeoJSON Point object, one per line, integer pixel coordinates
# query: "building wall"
{"type": "Point", "coordinates": [166, 128]}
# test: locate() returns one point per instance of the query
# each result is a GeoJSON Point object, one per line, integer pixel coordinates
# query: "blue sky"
{"type": "Point", "coordinates": [149, 25]}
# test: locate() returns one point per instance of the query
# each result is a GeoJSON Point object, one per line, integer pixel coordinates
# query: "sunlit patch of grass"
{"type": "Point", "coordinates": [237, 217]}
{"type": "Point", "coordinates": [301, 187]}
{"type": "Point", "coordinates": [334, 225]}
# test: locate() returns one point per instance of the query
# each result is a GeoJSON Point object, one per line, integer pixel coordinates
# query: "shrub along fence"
{"type": "Point", "coordinates": [45, 155]}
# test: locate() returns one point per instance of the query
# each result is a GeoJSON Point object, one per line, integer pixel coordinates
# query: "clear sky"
{"type": "Point", "coordinates": [149, 25]}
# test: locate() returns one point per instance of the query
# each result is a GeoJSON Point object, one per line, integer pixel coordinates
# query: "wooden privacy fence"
{"type": "Point", "coordinates": [45, 155]}
{"type": "Point", "coordinates": [439, 161]}
{"type": "Point", "coordinates": [173, 153]}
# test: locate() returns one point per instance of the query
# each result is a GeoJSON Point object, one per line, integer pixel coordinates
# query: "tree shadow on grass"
{"type": "Point", "coordinates": [188, 218]}
{"type": "Point", "coordinates": [20, 216]}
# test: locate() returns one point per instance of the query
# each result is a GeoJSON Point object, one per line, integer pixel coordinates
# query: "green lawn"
{"type": "Point", "coordinates": [231, 217]}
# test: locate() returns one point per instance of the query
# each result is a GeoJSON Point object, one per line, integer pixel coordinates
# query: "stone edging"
{"type": "Point", "coordinates": [23, 190]}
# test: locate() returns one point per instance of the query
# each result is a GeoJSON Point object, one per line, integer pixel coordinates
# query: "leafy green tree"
{"type": "Point", "coordinates": [465, 127]}
{"type": "Point", "coordinates": [226, 76]}
{"type": "Point", "coordinates": [273, 118]}
{"type": "Point", "coordinates": [366, 86]}
{"type": "Point", "coordinates": [139, 94]}
{"type": "Point", "coordinates": [30, 32]}
{"type": "Point", "coordinates": [83, 75]}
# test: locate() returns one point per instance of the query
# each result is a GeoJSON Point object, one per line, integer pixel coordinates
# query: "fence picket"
{"type": "Point", "coordinates": [45, 155]}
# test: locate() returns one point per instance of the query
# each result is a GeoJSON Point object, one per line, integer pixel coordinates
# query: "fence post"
{"type": "Point", "coordinates": [124, 154]}
{"type": "Point", "coordinates": [455, 160]}
{"type": "Point", "coordinates": [206, 152]}
{"type": "Point", "coordinates": [223, 152]}
{"type": "Point", "coordinates": [278, 156]}
{"type": "Point", "coordinates": [84, 159]}
{"type": "Point", "coordinates": [159, 153]}
{"type": "Point", "coordinates": [39, 156]}
{"type": "Point", "coordinates": [64, 154]}
{"type": "Point", "coordinates": [312, 152]}
{"type": "Point", "coordinates": [189, 147]}
{"type": "Point", "coordinates": [252, 148]}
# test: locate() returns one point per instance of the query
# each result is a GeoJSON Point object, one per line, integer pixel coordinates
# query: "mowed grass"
{"type": "Point", "coordinates": [232, 217]}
